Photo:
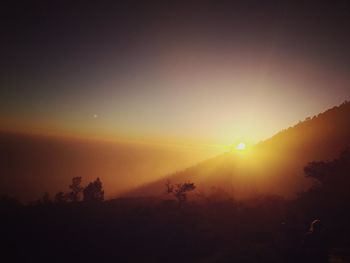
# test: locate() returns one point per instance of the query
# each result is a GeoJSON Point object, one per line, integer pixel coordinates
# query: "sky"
{"type": "Point", "coordinates": [206, 72]}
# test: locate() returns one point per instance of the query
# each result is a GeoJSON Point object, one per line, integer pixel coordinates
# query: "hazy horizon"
{"type": "Point", "coordinates": [49, 161]}
{"type": "Point", "coordinates": [150, 140]}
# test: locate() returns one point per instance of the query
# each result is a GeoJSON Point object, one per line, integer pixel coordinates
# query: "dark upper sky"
{"type": "Point", "coordinates": [146, 69]}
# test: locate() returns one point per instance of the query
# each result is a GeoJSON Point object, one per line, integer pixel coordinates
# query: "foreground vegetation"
{"type": "Point", "coordinates": [173, 228]}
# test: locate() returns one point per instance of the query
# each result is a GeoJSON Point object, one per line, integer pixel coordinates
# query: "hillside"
{"type": "Point", "coordinates": [273, 166]}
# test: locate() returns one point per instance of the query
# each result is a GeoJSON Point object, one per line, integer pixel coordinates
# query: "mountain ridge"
{"type": "Point", "coordinates": [278, 164]}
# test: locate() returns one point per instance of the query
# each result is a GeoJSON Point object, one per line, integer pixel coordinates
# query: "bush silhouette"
{"type": "Point", "coordinates": [179, 190]}
{"type": "Point", "coordinates": [93, 191]}
{"type": "Point", "coordinates": [331, 176]}
{"type": "Point", "coordinates": [45, 199]}
{"type": "Point", "coordinates": [60, 197]}
{"type": "Point", "coordinates": [76, 189]}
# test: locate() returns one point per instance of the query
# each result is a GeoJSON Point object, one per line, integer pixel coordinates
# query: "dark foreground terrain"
{"type": "Point", "coordinates": [209, 227]}
{"type": "Point", "coordinates": [153, 230]}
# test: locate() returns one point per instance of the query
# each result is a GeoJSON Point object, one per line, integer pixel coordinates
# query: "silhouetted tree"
{"type": "Point", "coordinates": [76, 189]}
{"type": "Point", "coordinates": [331, 195]}
{"type": "Point", "coordinates": [179, 190]}
{"type": "Point", "coordinates": [45, 199]}
{"type": "Point", "coordinates": [60, 197]}
{"type": "Point", "coordinates": [93, 191]}
{"type": "Point", "coordinates": [331, 175]}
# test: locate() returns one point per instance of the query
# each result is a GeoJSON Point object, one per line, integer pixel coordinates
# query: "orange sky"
{"type": "Point", "coordinates": [215, 76]}
{"type": "Point", "coordinates": [185, 96]}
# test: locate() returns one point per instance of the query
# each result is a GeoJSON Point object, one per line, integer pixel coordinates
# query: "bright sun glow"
{"type": "Point", "coordinates": [241, 146]}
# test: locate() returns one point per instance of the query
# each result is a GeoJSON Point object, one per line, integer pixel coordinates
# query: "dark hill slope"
{"type": "Point", "coordinates": [273, 166]}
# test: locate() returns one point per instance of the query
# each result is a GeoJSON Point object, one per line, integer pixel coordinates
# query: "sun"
{"type": "Point", "coordinates": [241, 146]}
